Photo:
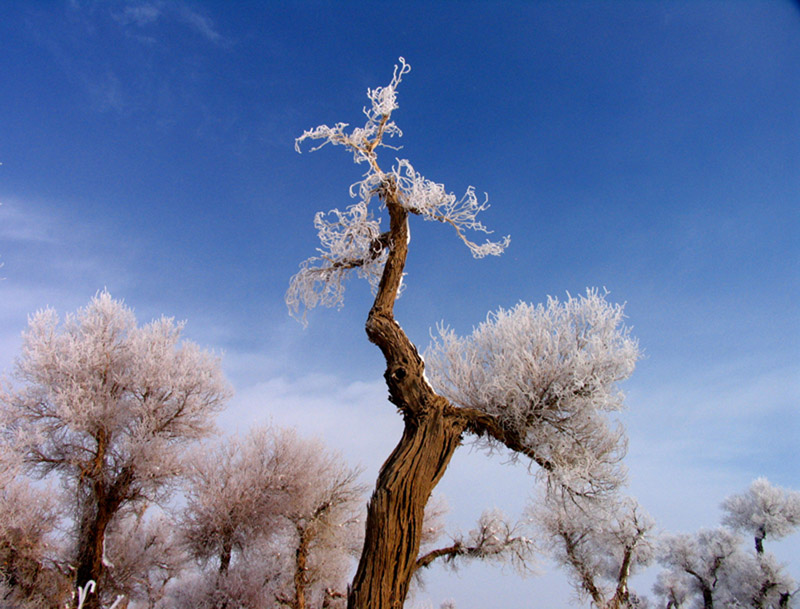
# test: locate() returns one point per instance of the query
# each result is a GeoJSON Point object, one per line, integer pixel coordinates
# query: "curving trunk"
{"type": "Point", "coordinates": [396, 510]}
{"type": "Point", "coordinates": [431, 435]}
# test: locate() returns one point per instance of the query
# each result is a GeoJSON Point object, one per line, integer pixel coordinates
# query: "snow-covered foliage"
{"type": "Point", "coordinates": [764, 511]}
{"type": "Point", "coordinates": [711, 568]}
{"type": "Point", "coordinates": [107, 406]}
{"type": "Point", "coordinates": [101, 391]}
{"type": "Point", "coordinates": [30, 577]}
{"type": "Point", "coordinates": [351, 239]}
{"type": "Point", "coordinates": [706, 561]}
{"type": "Point", "coordinates": [271, 518]}
{"type": "Point", "coordinates": [145, 557]}
{"type": "Point", "coordinates": [601, 542]}
{"type": "Point", "coordinates": [546, 374]}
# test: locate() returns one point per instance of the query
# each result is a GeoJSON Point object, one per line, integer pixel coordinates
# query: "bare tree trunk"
{"type": "Point", "coordinates": [102, 506]}
{"type": "Point", "coordinates": [300, 567]}
{"type": "Point", "coordinates": [708, 598]}
{"type": "Point", "coordinates": [90, 565]}
{"type": "Point", "coordinates": [431, 435]}
{"type": "Point", "coordinates": [396, 510]}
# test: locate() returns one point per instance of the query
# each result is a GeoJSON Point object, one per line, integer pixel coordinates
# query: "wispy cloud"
{"type": "Point", "coordinates": [145, 14]}
{"type": "Point", "coordinates": [352, 417]}
{"type": "Point", "coordinates": [201, 24]}
{"type": "Point", "coordinates": [18, 226]}
{"type": "Point", "coordinates": [139, 14]}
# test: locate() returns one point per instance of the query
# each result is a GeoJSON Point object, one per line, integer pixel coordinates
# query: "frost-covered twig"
{"type": "Point", "coordinates": [351, 241]}
{"type": "Point", "coordinates": [494, 539]}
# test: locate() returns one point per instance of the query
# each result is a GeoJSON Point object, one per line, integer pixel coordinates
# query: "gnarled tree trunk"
{"type": "Point", "coordinates": [396, 510]}
{"type": "Point", "coordinates": [431, 435]}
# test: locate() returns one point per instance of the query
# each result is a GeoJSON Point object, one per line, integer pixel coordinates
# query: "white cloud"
{"type": "Point", "coordinates": [140, 14]}
{"type": "Point", "coordinates": [354, 418]}
{"type": "Point", "coordinates": [199, 23]}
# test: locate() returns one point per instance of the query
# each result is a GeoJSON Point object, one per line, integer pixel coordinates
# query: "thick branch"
{"type": "Point", "coordinates": [449, 552]}
{"type": "Point", "coordinates": [480, 424]}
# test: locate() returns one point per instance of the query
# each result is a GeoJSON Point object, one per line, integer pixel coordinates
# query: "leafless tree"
{"type": "Point", "coordinates": [272, 518]}
{"type": "Point", "coordinates": [533, 379]}
{"type": "Point", "coordinates": [600, 541]}
{"type": "Point", "coordinates": [107, 406]}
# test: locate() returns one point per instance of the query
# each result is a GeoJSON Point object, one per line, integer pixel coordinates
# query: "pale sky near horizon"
{"type": "Point", "coordinates": [649, 148]}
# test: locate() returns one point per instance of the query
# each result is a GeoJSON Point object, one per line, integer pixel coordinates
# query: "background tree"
{"type": "Point", "coordinates": [763, 511]}
{"type": "Point", "coordinates": [600, 541]}
{"type": "Point", "coordinates": [145, 557]}
{"type": "Point", "coordinates": [32, 576]}
{"type": "Point", "coordinates": [108, 406]}
{"type": "Point", "coordinates": [711, 569]}
{"type": "Point", "coordinates": [533, 379]}
{"type": "Point", "coordinates": [705, 563]}
{"type": "Point", "coordinates": [271, 518]}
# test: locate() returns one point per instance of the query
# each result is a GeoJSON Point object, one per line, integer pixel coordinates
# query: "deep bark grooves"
{"type": "Point", "coordinates": [432, 433]}
{"type": "Point", "coordinates": [396, 510]}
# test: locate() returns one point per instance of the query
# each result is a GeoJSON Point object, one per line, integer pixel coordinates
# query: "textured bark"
{"type": "Point", "coordinates": [90, 554]}
{"type": "Point", "coordinates": [396, 510]}
{"type": "Point", "coordinates": [103, 505]}
{"type": "Point", "coordinates": [432, 432]}
{"type": "Point", "coordinates": [300, 568]}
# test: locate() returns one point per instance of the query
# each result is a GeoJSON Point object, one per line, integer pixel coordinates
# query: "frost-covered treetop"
{"type": "Point", "coordinates": [99, 382]}
{"type": "Point", "coordinates": [763, 510]}
{"type": "Point", "coordinates": [352, 239]}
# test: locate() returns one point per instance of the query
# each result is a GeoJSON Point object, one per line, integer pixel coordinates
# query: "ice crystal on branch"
{"type": "Point", "coordinates": [431, 201]}
{"type": "Point", "coordinates": [352, 240]}
{"type": "Point", "coordinates": [363, 140]}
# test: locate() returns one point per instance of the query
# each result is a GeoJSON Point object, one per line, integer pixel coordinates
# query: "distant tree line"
{"type": "Point", "coordinates": [120, 419]}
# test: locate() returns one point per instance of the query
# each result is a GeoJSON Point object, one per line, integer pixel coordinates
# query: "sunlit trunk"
{"type": "Point", "coordinates": [396, 511]}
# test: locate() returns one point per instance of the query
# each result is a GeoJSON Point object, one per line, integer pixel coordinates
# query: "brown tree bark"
{"type": "Point", "coordinates": [90, 555]}
{"type": "Point", "coordinates": [300, 568]}
{"type": "Point", "coordinates": [102, 505]}
{"type": "Point", "coordinates": [396, 510]}
{"type": "Point", "coordinates": [432, 432]}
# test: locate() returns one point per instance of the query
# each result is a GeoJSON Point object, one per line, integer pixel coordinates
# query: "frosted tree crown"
{"type": "Point", "coordinates": [352, 239]}
{"type": "Point", "coordinates": [546, 374]}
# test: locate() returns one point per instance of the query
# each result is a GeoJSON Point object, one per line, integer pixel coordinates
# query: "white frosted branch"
{"type": "Point", "coordinates": [546, 374]}
{"type": "Point", "coordinates": [350, 240]}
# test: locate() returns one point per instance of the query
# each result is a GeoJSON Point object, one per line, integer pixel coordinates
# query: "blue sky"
{"type": "Point", "coordinates": [649, 148]}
